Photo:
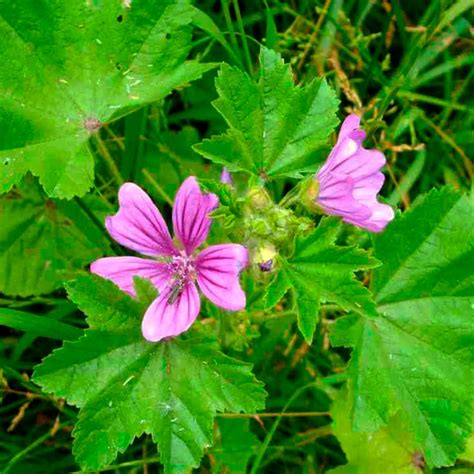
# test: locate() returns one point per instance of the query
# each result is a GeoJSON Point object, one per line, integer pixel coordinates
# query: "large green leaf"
{"type": "Point", "coordinates": [321, 271]}
{"type": "Point", "coordinates": [43, 242]}
{"type": "Point", "coordinates": [68, 67]}
{"type": "Point", "coordinates": [275, 127]}
{"type": "Point", "coordinates": [418, 355]}
{"type": "Point", "coordinates": [126, 386]}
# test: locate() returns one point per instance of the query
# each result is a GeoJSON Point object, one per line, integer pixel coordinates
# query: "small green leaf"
{"type": "Point", "coordinates": [275, 127]}
{"type": "Point", "coordinates": [321, 271]}
{"type": "Point", "coordinates": [126, 386]}
{"type": "Point", "coordinates": [78, 65]}
{"type": "Point", "coordinates": [425, 331]}
{"type": "Point", "coordinates": [44, 242]}
{"type": "Point", "coordinates": [277, 288]}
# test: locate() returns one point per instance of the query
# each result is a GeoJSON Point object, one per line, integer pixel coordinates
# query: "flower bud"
{"type": "Point", "coordinates": [309, 194]}
{"type": "Point", "coordinates": [266, 266]}
{"type": "Point", "coordinates": [259, 198]}
{"type": "Point", "coordinates": [265, 256]}
{"type": "Point", "coordinates": [226, 177]}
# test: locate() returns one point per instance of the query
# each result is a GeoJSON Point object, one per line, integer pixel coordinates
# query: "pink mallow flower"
{"type": "Point", "coordinates": [176, 266]}
{"type": "Point", "coordinates": [350, 179]}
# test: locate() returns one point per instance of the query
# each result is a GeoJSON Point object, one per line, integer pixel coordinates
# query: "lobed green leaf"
{"type": "Point", "coordinates": [321, 271]}
{"type": "Point", "coordinates": [69, 67]}
{"type": "Point", "coordinates": [126, 386]}
{"type": "Point", "coordinates": [417, 357]}
{"type": "Point", "coordinates": [275, 128]}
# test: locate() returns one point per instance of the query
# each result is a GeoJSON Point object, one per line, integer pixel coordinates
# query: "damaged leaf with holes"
{"type": "Point", "coordinates": [70, 67]}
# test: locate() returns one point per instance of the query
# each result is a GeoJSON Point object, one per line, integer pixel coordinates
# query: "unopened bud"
{"type": "Point", "coordinates": [313, 189]}
{"type": "Point", "coordinates": [309, 195]}
{"type": "Point", "coordinates": [264, 257]}
{"type": "Point", "coordinates": [266, 266]}
{"type": "Point", "coordinates": [226, 177]}
{"type": "Point", "coordinates": [259, 198]}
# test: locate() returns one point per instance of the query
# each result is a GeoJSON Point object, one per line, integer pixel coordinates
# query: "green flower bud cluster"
{"type": "Point", "coordinates": [268, 227]}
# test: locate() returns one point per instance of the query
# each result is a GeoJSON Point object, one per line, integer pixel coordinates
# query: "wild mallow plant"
{"type": "Point", "coordinates": [286, 235]}
{"type": "Point", "coordinates": [176, 269]}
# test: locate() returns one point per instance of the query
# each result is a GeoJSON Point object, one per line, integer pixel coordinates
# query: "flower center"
{"type": "Point", "coordinates": [182, 271]}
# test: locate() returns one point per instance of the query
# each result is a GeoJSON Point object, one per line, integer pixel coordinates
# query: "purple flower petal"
{"type": "Point", "coordinates": [351, 123]}
{"type": "Point", "coordinates": [121, 271]}
{"type": "Point", "coordinates": [366, 189]}
{"type": "Point", "coordinates": [190, 214]}
{"type": "Point", "coordinates": [360, 164]}
{"type": "Point", "coordinates": [165, 319]}
{"type": "Point", "coordinates": [336, 197]}
{"type": "Point", "coordinates": [218, 268]}
{"type": "Point", "coordinates": [226, 177]}
{"type": "Point", "coordinates": [381, 215]}
{"type": "Point", "coordinates": [138, 224]}
{"type": "Point", "coordinates": [350, 180]}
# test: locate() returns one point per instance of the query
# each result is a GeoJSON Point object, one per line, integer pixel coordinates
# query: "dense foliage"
{"type": "Point", "coordinates": [355, 350]}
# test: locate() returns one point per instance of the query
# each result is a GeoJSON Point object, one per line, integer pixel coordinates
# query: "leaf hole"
{"type": "Point", "coordinates": [120, 18]}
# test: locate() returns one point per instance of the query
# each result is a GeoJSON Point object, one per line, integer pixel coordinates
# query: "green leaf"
{"type": "Point", "coordinates": [38, 325]}
{"type": "Point", "coordinates": [321, 271]}
{"type": "Point", "coordinates": [69, 67]}
{"type": "Point", "coordinates": [275, 127]}
{"type": "Point", "coordinates": [468, 453]}
{"type": "Point", "coordinates": [236, 445]}
{"type": "Point", "coordinates": [389, 450]}
{"type": "Point", "coordinates": [437, 259]}
{"type": "Point", "coordinates": [44, 242]}
{"type": "Point", "coordinates": [126, 386]}
{"type": "Point", "coordinates": [418, 356]}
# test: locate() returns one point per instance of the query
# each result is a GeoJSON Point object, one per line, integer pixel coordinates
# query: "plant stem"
{"type": "Point", "coordinates": [243, 35]}
{"type": "Point", "coordinates": [109, 161]}
{"type": "Point", "coordinates": [268, 438]}
{"type": "Point", "coordinates": [138, 462]}
{"type": "Point", "coordinates": [29, 448]}
{"type": "Point", "coordinates": [273, 415]}
{"type": "Point", "coordinates": [230, 25]}
{"type": "Point", "coordinates": [158, 188]}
